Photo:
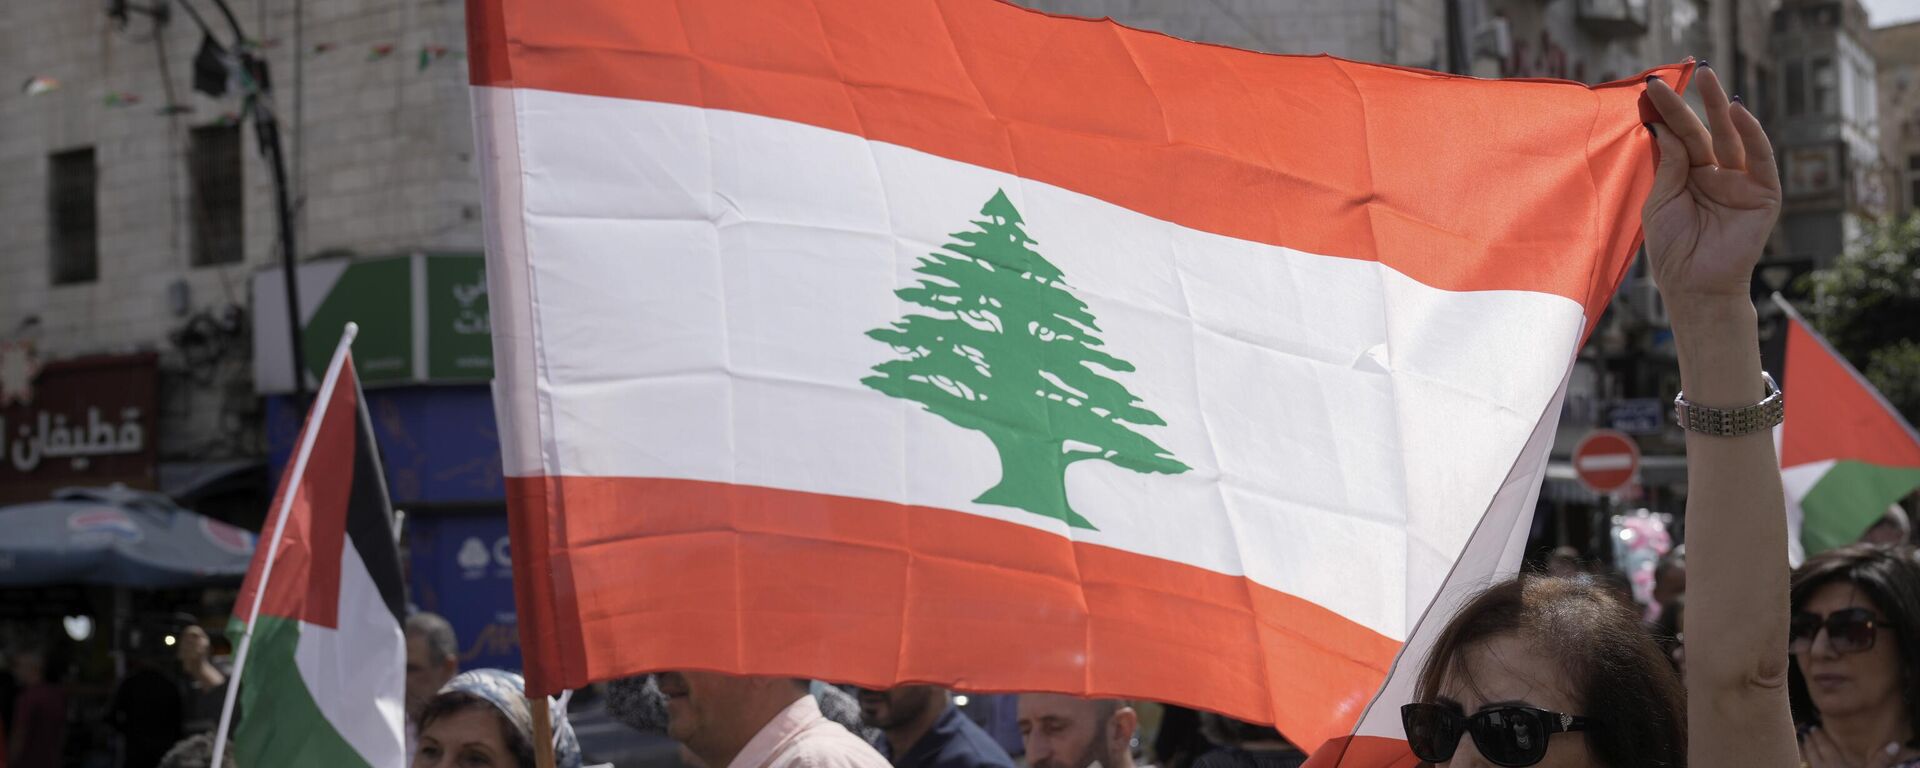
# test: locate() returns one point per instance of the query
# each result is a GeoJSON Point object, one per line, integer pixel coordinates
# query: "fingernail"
{"type": "Point", "coordinates": [1737, 100]}
{"type": "Point", "coordinates": [1702, 63]}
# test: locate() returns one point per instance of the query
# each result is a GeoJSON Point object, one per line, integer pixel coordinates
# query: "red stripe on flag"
{"type": "Point", "coordinates": [306, 573]}
{"type": "Point", "coordinates": [634, 575]}
{"type": "Point", "coordinates": [1833, 413]}
{"type": "Point", "coordinates": [1459, 183]}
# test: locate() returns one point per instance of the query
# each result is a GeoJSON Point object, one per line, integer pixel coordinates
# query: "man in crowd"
{"type": "Point", "coordinates": [146, 710]}
{"type": "Point", "coordinates": [1068, 732]}
{"type": "Point", "coordinates": [206, 682]}
{"type": "Point", "coordinates": [757, 722]}
{"type": "Point", "coordinates": [920, 728]}
{"type": "Point", "coordinates": [433, 658]}
{"type": "Point", "coordinates": [39, 730]}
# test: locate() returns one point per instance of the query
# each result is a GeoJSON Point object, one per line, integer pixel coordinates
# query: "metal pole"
{"type": "Point", "coordinates": [268, 131]}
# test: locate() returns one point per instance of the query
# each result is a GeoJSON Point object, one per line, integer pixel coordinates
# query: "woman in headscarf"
{"type": "Point", "coordinates": [480, 719]}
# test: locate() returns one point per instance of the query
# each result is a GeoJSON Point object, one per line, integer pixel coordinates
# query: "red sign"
{"type": "Point", "coordinates": [1606, 460]}
{"type": "Point", "coordinates": [85, 421]}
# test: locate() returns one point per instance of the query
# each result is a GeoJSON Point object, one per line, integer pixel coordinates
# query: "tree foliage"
{"type": "Point", "coordinates": [1868, 305]}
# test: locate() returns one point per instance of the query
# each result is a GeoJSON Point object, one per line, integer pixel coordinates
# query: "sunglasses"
{"type": "Point", "coordinates": [1849, 630]}
{"type": "Point", "coordinates": [1507, 735]}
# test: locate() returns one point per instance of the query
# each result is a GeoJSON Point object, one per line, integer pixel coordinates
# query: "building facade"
{"type": "Point", "coordinates": [139, 208]}
{"type": "Point", "coordinates": [1825, 124]}
{"type": "Point", "coordinates": [1405, 32]}
{"type": "Point", "coordinates": [1896, 52]}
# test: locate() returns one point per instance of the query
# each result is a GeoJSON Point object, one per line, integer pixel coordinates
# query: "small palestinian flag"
{"type": "Point", "coordinates": [324, 679]}
{"type": "Point", "coordinates": [1845, 453]}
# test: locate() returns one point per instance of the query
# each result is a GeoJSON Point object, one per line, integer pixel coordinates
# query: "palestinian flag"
{"type": "Point", "coordinates": [1845, 453]}
{"type": "Point", "coordinates": [324, 681]}
{"type": "Point", "coordinates": [951, 342]}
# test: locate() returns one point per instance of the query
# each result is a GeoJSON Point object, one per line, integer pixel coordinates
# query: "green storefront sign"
{"type": "Point", "coordinates": [422, 316]}
{"type": "Point", "coordinates": [459, 338]}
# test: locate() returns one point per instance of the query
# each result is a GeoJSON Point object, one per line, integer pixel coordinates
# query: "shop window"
{"type": "Point", "coordinates": [72, 187]}
{"type": "Point", "coordinates": [214, 164]}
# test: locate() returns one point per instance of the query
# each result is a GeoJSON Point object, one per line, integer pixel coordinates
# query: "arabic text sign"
{"type": "Point", "coordinates": [88, 421]}
{"type": "Point", "coordinates": [422, 317]}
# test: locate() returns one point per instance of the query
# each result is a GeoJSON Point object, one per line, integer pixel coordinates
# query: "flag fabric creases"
{"type": "Point", "coordinates": [952, 342]}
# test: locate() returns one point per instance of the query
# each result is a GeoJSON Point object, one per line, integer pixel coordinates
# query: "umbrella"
{"type": "Point", "coordinates": [120, 537]}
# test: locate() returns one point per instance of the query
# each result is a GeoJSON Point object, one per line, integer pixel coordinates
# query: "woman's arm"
{"type": "Point", "coordinates": [1715, 197]}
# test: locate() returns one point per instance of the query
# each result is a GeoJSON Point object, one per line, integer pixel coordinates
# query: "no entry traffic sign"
{"type": "Point", "coordinates": [1606, 460]}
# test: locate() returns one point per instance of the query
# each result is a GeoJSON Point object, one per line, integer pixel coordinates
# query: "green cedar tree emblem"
{"type": "Point", "coordinates": [1008, 350]}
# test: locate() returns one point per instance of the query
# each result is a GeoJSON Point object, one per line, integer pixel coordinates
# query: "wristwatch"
{"type": "Point", "coordinates": [1763, 415]}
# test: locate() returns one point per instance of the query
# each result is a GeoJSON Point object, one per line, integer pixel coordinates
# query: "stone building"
{"type": "Point", "coordinates": [1825, 125]}
{"type": "Point", "coordinates": [1404, 32]}
{"type": "Point", "coordinates": [1896, 50]}
{"type": "Point", "coordinates": [138, 210]}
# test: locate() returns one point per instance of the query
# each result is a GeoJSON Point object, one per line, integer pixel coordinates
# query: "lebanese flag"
{"type": "Point", "coordinates": [1845, 453]}
{"type": "Point", "coordinates": [946, 341]}
{"type": "Point", "coordinates": [324, 682]}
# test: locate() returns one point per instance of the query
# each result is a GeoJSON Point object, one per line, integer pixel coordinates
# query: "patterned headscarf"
{"type": "Point", "coordinates": [506, 691]}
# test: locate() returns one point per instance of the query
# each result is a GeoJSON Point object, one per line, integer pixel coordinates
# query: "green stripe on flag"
{"type": "Point", "coordinates": [1848, 500]}
{"type": "Point", "coordinates": [283, 725]}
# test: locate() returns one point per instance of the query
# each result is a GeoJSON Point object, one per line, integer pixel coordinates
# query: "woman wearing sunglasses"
{"type": "Point", "coordinates": [1557, 671]}
{"type": "Point", "coordinates": [1854, 641]}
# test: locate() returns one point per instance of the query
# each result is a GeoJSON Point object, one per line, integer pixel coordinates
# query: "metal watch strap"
{"type": "Point", "coordinates": [1760, 416]}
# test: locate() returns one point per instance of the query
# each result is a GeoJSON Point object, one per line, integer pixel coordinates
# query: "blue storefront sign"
{"type": "Point", "coordinates": [462, 568]}
{"type": "Point", "coordinates": [441, 452]}
{"type": "Point", "coordinates": [438, 443]}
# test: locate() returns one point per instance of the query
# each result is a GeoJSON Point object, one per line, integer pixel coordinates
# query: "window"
{"type": "Point", "coordinates": [214, 163]}
{"type": "Point", "coordinates": [1796, 88]}
{"type": "Point", "coordinates": [72, 183]}
{"type": "Point", "coordinates": [1913, 182]}
{"type": "Point", "coordinates": [1826, 87]}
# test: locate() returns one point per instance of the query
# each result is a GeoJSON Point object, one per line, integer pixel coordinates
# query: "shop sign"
{"type": "Point", "coordinates": [1638, 416]}
{"type": "Point", "coordinates": [86, 421]}
{"type": "Point", "coordinates": [422, 317]}
{"type": "Point", "coordinates": [461, 567]}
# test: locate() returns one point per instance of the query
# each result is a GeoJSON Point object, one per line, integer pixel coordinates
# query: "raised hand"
{"type": "Point", "coordinates": [1715, 196]}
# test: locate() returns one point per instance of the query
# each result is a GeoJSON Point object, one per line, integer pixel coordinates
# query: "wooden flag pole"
{"type": "Point", "coordinates": [289, 484]}
{"type": "Point", "coordinates": [542, 733]}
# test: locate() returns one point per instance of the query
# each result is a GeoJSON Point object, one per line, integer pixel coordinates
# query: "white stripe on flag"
{"type": "Point", "coordinates": [356, 673]}
{"type": "Point", "coordinates": [1494, 553]}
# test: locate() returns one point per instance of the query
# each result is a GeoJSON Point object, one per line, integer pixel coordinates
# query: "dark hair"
{"type": "Point", "coordinates": [437, 633]}
{"type": "Point", "coordinates": [1889, 575]}
{"type": "Point", "coordinates": [519, 743]}
{"type": "Point", "coordinates": [1228, 732]}
{"type": "Point", "coordinates": [1621, 679]}
{"type": "Point", "coordinates": [196, 752]}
